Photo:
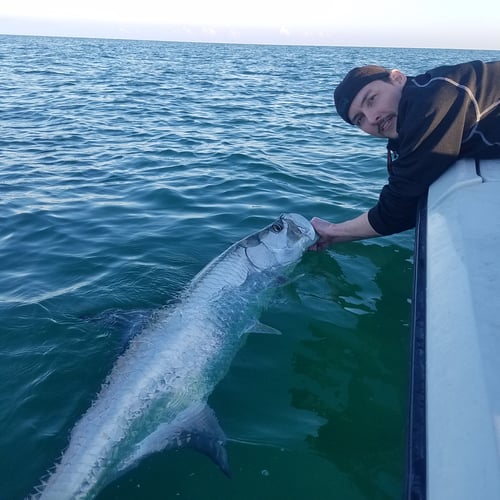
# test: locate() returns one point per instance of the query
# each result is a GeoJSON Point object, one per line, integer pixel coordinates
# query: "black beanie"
{"type": "Point", "coordinates": [352, 83]}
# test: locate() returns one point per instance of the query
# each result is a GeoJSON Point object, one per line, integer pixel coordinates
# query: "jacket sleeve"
{"type": "Point", "coordinates": [432, 126]}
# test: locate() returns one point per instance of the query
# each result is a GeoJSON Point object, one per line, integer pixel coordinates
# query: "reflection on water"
{"type": "Point", "coordinates": [125, 167]}
{"type": "Point", "coordinates": [350, 370]}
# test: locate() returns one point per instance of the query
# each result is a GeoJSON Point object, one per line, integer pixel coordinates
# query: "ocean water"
{"type": "Point", "coordinates": [125, 167]}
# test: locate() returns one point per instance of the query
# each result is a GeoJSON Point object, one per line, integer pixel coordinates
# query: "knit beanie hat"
{"type": "Point", "coordinates": [352, 83]}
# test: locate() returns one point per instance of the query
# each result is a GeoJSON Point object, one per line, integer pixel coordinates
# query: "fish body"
{"type": "Point", "coordinates": [155, 396]}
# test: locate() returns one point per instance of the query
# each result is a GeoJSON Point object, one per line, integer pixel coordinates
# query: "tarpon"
{"type": "Point", "coordinates": [155, 397]}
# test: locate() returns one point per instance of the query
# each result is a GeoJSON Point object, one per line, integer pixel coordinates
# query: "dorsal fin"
{"type": "Point", "coordinates": [196, 427]}
{"type": "Point", "coordinates": [200, 430]}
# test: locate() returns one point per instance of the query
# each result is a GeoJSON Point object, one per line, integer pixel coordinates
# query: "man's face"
{"type": "Point", "coordinates": [375, 107]}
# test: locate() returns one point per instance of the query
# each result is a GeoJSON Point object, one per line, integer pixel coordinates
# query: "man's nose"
{"type": "Point", "coordinates": [373, 116]}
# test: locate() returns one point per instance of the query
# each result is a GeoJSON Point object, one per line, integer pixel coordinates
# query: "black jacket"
{"type": "Point", "coordinates": [447, 113]}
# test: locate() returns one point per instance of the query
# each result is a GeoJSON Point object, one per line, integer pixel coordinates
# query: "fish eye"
{"type": "Point", "coordinates": [277, 227]}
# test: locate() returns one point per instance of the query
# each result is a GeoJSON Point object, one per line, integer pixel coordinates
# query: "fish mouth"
{"type": "Point", "coordinates": [300, 226]}
{"type": "Point", "coordinates": [297, 235]}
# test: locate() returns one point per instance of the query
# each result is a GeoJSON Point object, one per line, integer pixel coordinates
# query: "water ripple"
{"type": "Point", "coordinates": [124, 168]}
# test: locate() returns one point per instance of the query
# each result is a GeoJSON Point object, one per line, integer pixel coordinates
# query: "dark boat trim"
{"type": "Point", "coordinates": [416, 466]}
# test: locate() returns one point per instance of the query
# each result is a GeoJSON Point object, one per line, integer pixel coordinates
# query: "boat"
{"type": "Point", "coordinates": [453, 450]}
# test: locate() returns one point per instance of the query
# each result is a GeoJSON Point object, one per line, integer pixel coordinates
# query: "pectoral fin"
{"type": "Point", "coordinates": [259, 327]}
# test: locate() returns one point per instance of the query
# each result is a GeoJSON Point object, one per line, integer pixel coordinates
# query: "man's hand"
{"type": "Point", "coordinates": [351, 230]}
{"type": "Point", "coordinates": [326, 232]}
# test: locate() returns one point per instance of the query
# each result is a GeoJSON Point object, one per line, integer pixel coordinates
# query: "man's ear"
{"type": "Point", "coordinates": [398, 77]}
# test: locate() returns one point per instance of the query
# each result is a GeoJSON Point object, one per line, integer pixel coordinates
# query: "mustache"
{"type": "Point", "coordinates": [382, 122]}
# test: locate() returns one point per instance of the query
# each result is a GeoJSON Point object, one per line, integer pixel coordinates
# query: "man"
{"type": "Point", "coordinates": [430, 121]}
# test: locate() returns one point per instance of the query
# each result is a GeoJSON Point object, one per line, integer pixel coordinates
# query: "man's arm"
{"type": "Point", "coordinates": [351, 230]}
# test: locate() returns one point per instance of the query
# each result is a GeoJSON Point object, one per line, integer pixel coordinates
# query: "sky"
{"type": "Point", "coordinates": [386, 23]}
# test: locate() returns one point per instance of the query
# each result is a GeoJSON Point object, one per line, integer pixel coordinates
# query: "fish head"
{"type": "Point", "coordinates": [281, 243]}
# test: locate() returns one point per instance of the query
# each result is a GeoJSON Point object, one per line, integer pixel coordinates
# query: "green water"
{"type": "Point", "coordinates": [125, 167]}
